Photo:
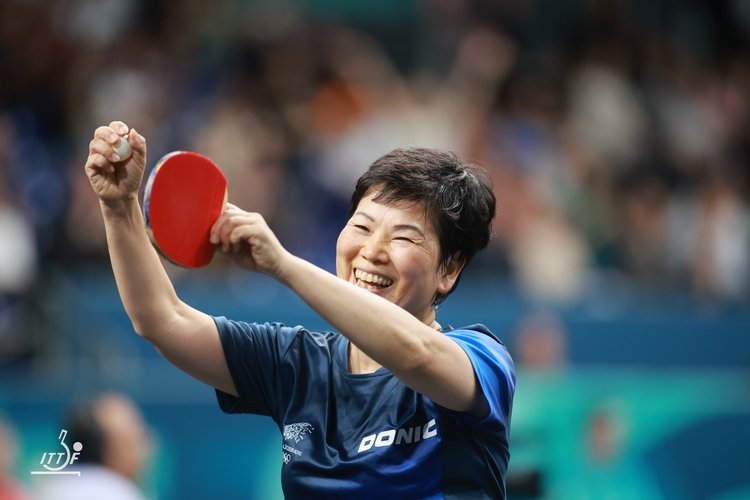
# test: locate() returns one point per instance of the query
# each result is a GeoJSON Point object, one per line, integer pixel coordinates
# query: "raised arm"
{"type": "Point", "coordinates": [420, 356]}
{"type": "Point", "coordinates": [185, 336]}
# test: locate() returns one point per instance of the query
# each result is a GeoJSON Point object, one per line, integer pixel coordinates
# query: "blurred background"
{"type": "Point", "coordinates": [617, 133]}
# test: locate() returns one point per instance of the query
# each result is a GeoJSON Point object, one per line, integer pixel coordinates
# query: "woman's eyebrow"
{"type": "Point", "coordinates": [397, 226]}
{"type": "Point", "coordinates": [363, 214]}
{"type": "Point", "coordinates": [409, 226]}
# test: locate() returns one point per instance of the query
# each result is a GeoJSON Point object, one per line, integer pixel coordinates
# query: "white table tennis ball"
{"type": "Point", "coordinates": [123, 149]}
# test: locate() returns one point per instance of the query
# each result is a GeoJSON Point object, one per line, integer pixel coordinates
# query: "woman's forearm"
{"type": "Point", "coordinates": [384, 331]}
{"type": "Point", "coordinates": [145, 288]}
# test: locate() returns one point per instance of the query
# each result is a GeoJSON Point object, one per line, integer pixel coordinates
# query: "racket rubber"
{"type": "Point", "coordinates": [185, 195]}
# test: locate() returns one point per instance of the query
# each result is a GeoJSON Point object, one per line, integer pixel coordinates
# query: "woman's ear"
{"type": "Point", "coordinates": [450, 271]}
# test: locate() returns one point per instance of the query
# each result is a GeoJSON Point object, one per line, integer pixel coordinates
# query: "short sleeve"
{"type": "Point", "coordinates": [495, 372]}
{"type": "Point", "coordinates": [254, 354]}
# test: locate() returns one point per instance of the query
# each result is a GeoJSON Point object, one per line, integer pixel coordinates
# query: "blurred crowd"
{"type": "Point", "coordinates": [617, 132]}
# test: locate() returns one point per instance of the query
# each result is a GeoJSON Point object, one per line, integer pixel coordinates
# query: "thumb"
{"type": "Point", "coordinates": [138, 143]}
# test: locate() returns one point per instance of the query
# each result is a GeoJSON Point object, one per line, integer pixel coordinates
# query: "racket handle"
{"type": "Point", "coordinates": [123, 149]}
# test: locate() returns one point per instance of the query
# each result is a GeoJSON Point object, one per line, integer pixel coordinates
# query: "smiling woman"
{"type": "Point", "coordinates": [392, 251]}
{"type": "Point", "coordinates": [390, 405]}
{"type": "Point", "coordinates": [451, 201]}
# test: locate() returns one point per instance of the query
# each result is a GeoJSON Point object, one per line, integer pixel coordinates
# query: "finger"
{"type": "Point", "coordinates": [96, 164]}
{"type": "Point", "coordinates": [119, 127]}
{"type": "Point", "coordinates": [221, 227]}
{"type": "Point", "coordinates": [138, 143]}
{"type": "Point", "coordinates": [226, 230]}
{"type": "Point", "coordinates": [241, 225]}
{"type": "Point", "coordinates": [231, 213]}
{"type": "Point", "coordinates": [244, 233]}
{"type": "Point", "coordinates": [104, 148]}
{"type": "Point", "coordinates": [215, 230]}
{"type": "Point", "coordinates": [241, 233]}
{"type": "Point", "coordinates": [98, 161]}
{"type": "Point", "coordinates": [106, 134]}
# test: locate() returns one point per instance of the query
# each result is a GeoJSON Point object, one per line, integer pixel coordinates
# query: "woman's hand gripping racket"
{"type": "Point", "coordinates": [185, 195]}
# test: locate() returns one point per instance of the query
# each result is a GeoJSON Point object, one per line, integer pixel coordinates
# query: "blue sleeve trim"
{"type": "Point", "coordinates": [495, 372]}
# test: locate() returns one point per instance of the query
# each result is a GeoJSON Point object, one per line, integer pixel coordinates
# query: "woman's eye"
{"type": "Point", "coordinates": [363, 228]}
{"type": "Point", "coordinates": [403, 238]}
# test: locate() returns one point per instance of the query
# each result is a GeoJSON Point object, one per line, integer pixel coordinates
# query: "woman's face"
{"type": "Point", "coordinates": [393, 250]}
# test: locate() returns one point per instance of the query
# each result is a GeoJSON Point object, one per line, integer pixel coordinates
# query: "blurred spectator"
{"type": "Point", "coordinates": [710, 239]}
{"type": "Point", "coordinates": [720, 263]}
{"type": "Point", "coordinates": [609, 467]}
{"type": "Point", "coordinates": [541, 342]}
{"type": "Point", "coordinates": [386, 110]}
{"type": "Point", "coordinates": [115, 449]}
{"type": "Point", "coordinates": [19, 264]}
{"type": "Point", "coordinates": [606, 433]}
{"type": "Point", "coordinates": [605, 108]}
{"type": "Point", "coordinates": [643, 202]}
{"type": "Point", "coordinates": [18, 256]}
{"type": "Point", "coordinates": [95, 23]}
{"type": "Point", "coordinates": [251, 149]}
{"type": "Point", "coordinates": [10, 489]}
{"type": "Point", "coordinates": [18, 260]}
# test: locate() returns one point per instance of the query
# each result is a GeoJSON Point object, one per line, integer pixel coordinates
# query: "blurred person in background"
{"type": "Point", "coordinates": [720, 262]}
{"type": "Point", "coordinates": [366, 107]}
{"type": "Point", "coordinates": [115, 449]}
{"type": "Point", "coordinates": [10, 489]}
{"type": "Point", "coordinates": [18, 256]}
{"type": "Point", "coordinates": [542, 342]}
{"type": "Point", "coordinates": [609, 468]}
{"type": "Point", "coordinates": [19, 259]}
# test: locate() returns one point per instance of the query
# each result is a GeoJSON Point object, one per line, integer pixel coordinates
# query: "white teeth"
{"type": "Point", "coordinates": [367, 278]}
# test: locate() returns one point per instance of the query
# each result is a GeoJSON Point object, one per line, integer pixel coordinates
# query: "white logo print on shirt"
{"type": "Point", "coordinates": [295, 432]}
{"type": "Point", "coordinates": [397, 436]}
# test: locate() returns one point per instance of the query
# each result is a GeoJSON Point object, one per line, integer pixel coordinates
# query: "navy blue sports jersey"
{"type": "Point", "coordinates": [368, 435]}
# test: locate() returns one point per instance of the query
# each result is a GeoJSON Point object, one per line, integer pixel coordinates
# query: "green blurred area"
{"type": "Point", "coordinates": [588, 433]}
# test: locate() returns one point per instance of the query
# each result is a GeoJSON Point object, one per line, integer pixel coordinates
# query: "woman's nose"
{"type": "Point", "coordinates": [375, 249]}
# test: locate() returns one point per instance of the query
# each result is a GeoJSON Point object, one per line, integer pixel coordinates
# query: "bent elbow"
{"type": "Point", "coordinates": [154, 328]}
{"type": "Point", "coordinates": [155, 322]}
{"type": "Point", "coordinates": [144, 331]}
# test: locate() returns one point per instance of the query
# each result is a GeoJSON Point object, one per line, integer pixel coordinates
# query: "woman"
{"type": "Point", "coordinates": [392, 406]}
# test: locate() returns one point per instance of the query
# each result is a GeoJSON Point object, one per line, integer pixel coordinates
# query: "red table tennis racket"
{"type": "Point", "coordinates": [185, 195]}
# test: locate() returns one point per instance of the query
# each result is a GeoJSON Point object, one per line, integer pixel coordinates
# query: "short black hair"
{"type": "Point", "coordinates": [457, 197]}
